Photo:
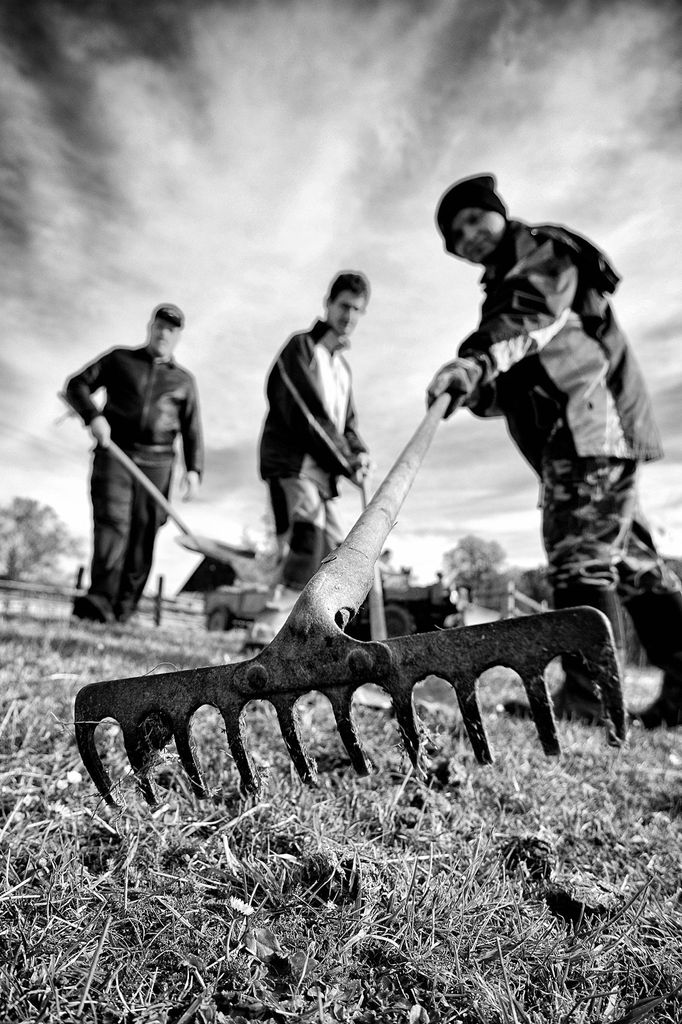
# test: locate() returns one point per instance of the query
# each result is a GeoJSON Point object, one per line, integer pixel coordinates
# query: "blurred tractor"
{"type": "Point", "coordinates": [232, 600]}
{"type": "Point", "coordinates": [235, 607]}
{"type": "Point", "coordinates": [411, 609]}
{"type": "Point", "coordinates": [408, 609]}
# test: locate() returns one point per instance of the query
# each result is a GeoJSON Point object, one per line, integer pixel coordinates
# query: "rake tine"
{"type": "Point", "coordinates": [525, 646]}
{"type": "Point", "coordinates": [407, 721]}
{"type": "Point", "coordinates": [85, 738]}
{"type": "Point", "coordinates": [542, 712]}
{"type": "Point", "coordinates": [602, 664]}
{"type": "Point", "coordinates": [303, 763]}
{"type": "Point", "coordinates": [467, 699]}
{"type": "Point", "coordinates": [182, 733]}
{"type": "Point", "coordinates": [142, 756]}
{"type": "Point", "coordinates": [249, 775]}
{"type": "Point", "coordinates": [342, 706]}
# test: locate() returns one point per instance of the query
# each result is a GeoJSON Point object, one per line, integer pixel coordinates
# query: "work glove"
{"type": "Point", "coordinates": [458, 379]}
{"type": "Point", "coordinates": [100, 430]}
{"type": "Point", "coordinates": [361, 465]}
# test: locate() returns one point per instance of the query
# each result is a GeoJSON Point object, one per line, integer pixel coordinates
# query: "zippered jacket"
{"type": "Point", "coordinates": [300, 427]}
{"type": "Point", "coordinates": [554, 361]}
{"type": "Point", "coordinates": [148, 403]}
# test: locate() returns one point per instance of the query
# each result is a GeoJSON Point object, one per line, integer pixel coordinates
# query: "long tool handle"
{"type": "Point", "coordinates": [377, 614]}
{"type": "Point", "coordinates": [145, 482]}
{"type": "Point", "coordinates": [347, 574]}
{"type": "Point", "coordinates": [151, 488]}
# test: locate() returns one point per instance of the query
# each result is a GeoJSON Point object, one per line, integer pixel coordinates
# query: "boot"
{"type": "Point", "coordinates": [93, 607]}
{"type": "Point", "coordinates": [577, 697]}
{"type": "Point", "coordinates": [657, 619]}
{"type": "Point", "coordinates": [667, 708]}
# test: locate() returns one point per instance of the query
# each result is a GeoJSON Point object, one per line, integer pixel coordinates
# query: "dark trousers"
{"type": "Point", "coordinates": [126, 520]}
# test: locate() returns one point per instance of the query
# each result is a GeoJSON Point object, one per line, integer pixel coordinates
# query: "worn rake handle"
{"type": "Point", "coordinates": [375, 598]}
{"type": "Point", "coordinates": [346, 576]}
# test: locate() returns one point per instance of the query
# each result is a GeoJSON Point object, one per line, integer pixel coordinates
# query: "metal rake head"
{"type": "Point", "coordinates": [312, 653]}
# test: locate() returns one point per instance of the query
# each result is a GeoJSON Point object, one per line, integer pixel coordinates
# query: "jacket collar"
{"type": "Point", "coordinates": [320, 329]}
{"type": "Point", "coordinates": [145, 351]}
{"type": "Point", "coordinates": [505, 256]}
{"type": "Point", "coordinates": [519, 240]}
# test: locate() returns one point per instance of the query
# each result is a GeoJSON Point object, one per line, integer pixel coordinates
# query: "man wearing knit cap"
{"type": "Point", "coordinates": [150, 402]}
{"type": "Point", "coordinates": [549, 356]}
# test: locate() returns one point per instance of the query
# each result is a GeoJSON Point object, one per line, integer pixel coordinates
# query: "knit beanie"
{"type": "Point", "coordinates": [478, 192]}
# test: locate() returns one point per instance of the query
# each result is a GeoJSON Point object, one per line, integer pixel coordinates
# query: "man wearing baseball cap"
{"type": "Point", "coordinates": [149, 402]}
{"type": "Point", "coordinates": [549, 356]}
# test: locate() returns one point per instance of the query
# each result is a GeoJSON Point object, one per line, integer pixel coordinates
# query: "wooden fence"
{"type": "Point", "coordinates": [52, 602]}
{"type": "Point", "coordinates": [518, 603]}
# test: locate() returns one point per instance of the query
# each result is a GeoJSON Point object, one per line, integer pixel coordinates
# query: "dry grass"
{"type": "Point", "coordinates": [453, 898]}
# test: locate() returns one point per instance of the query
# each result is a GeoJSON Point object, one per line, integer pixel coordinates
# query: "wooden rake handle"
{"type": "Point", "coordinates": [347, 575]}
{"type": "Point", "coordinates": [375, 598]}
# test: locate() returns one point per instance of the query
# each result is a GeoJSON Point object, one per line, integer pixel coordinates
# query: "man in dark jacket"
{"type": "Point", "coordinates": [150, 401]}
{"type": "Point", "coordinates": [309, 440]}
{"type": "Point", "coordinates": [549, 356]}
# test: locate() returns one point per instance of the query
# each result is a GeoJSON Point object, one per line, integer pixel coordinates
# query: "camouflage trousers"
{"type": "Point", "coordinates": [594, 532]}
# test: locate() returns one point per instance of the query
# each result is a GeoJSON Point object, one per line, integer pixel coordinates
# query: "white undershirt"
{"type": "Point", "coordinates": [334, 380]}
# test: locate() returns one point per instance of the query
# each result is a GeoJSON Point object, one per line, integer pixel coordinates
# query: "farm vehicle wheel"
{"type": "Point", "coordinates": [399, 621]}
{"type": "Point", "coordinates": [218, 620]}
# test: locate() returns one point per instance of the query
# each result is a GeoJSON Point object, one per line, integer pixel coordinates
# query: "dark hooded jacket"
{"type": "Point", "coordinates": [299, 431]}
{"type": "Point", "coordinates": [554, 361]}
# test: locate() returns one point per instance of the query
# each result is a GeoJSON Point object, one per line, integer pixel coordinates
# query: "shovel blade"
{"type": "Point", "coordinates": [216, 550]}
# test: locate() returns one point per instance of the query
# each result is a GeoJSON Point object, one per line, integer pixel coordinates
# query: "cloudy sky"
{"type": "Point", "coordinates": [231, 157]}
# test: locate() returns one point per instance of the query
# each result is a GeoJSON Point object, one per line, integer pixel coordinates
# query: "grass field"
{"type": "Point", "coordinates": [532, 890]}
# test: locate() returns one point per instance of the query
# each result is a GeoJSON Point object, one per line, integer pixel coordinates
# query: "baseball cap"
{"type": "Point", "coordinates": [172, 314]}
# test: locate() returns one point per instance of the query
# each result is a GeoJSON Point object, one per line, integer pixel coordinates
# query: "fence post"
{"type": "Point", "coordinates": [511, 599]}
{"type": "Point", "coordinates": [158, 603]}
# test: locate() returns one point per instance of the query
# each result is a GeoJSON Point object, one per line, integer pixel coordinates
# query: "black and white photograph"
{"type": "Point", "coordinates": [341, 516]}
